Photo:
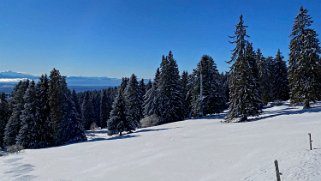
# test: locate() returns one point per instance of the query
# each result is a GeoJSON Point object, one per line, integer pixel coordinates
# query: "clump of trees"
{"type": "Point", "coordinates": [40, 114]}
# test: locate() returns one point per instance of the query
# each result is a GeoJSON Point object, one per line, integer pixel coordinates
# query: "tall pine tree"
{"type": "Point", "coordinates": [27, 136]}
{"type": "Point", "coordinates": [44, 137]}
{"type": "Point", "coordinates": [280, 84]}
{"type": "Point", "coordinates": [133, 103]}
{"type": "Point", "coordinates": [170, 107]}
{"type": "Point", "coordinates": [304, 61]}
{"type": "Point", "coordinates": [118, 122]}
{"type": "Point", "coordinates": [244, 94]}
{"type": "Point", "coordinates": [14, 122]}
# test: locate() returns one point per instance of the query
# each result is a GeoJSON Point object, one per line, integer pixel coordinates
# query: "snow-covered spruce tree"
{"type": "Point", "coordinates": [187, 98]}
{"type": "Point", "coordinates": [207, 96]}
{"type": "Point", "coordinates": [280, 84]}
{"type": "Point", "coordinates": [244, 96]}
{"type": "Point", "coordinates": [27, 136]}
{"type": "Point", "coordinates": [73, 129]}
{"type": "Point", "coordinates": [87, 111]}
{"type": "Point", "coordinates": [304, 61]}
{"type": "Point", "coordinates": [14, 122]}
{"type": "Point", "coordinates": [57, 104]}
{"type": "Point", "coordinates": [170, 108]}
{"type": "Point", "coordinates": [44, 136]}
{"type": "Point", "coordinates": [117, 122]}
{"type": "Point", "coordinates": [4, 116]}
{"type": "Point", "coordinates": [124, 83]}
{"type": "Point", "coordinates": [133, 103]}
{"type": "Point", "coordinates": [150, 105]}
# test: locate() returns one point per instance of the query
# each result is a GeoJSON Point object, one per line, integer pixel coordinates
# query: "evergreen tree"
{"type": "Point", "coordinates": [27, 136]}
{"type": "Point", "coordinates": [117, 122]}
{"type": "Point", "coordinates": [57, 103]}
{"type": "Point", "coordinates": [207, 95]}
{"type": "Point", "coordinates": [170, 107]}
{"type": "Point", "coordinates": [133, 102]}
{"type": "Point", "coordinates": [4, 116]}
{"type": "Point", "coordinates": [87, 113]}
{"type": "Point", "coordinates": [14, 122]}
{"type": "Point", "coordinates": [244, 94]}
{"type": "Point", "coordinates": [73, 129]}
{"type": "Point", "coordinates": [151, 97]}
{"type": "Point", "coordinates": [44, 135]}
{"type": "Point", "coordinates": [304, 61]}
{"type": "Point", "coordinates": [280, 85]}
{"type": "Point", "coordinates": [123, 84]}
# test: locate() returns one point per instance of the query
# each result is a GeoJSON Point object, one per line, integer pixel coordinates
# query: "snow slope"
{"type": "Point", "coordinates": [192, 150]}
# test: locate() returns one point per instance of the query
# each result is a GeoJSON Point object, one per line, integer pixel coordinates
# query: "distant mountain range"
{"type": "Point", "coordinates": [9, 79]}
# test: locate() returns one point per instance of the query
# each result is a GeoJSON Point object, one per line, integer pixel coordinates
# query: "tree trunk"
{"type": "Point", "coordinates": [306, 104]}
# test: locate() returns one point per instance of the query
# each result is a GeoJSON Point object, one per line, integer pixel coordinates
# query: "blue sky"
{"type": "Point", "coordinates": [118, 37]}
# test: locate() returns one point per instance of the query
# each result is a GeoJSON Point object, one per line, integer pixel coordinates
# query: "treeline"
{"type": "Point", "coordinates": [47, 113]}
{"type": "Point", "coordinates": [255, 80]}
{"type": "Point", "coordinates": [40, 114]}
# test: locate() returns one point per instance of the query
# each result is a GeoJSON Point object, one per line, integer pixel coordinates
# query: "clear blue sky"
{"type": "Point", "coordinates": [118, 37]}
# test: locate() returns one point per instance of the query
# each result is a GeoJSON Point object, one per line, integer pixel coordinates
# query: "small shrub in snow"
{"type": "Point", "coordinates": [14, 148]}
{"type": "Point", "coordinates": [149, 121]}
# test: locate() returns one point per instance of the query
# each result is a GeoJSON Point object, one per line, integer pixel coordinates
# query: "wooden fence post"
{"type": "Point", "coordinates": [278, 174]}
{"type": "Point", "coordinates": [310, 140]}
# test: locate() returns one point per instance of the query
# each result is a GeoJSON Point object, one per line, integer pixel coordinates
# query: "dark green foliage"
{"type": "Point", "coordinates": [133, 102]}
{"type": "Point", "coordinates": [280, 84]}
{"type": "Point", "coordinates": [4, 116]}
{"type": "Point", "coordinates": [73, 129]}
{"type": "Point", "coordinates": [65, 122]}
{"type": "Point", "coordinates": [244, 94]}
{"type": "Point", "coordinates": [14, 122]}
{"type": "Point", "coordinates": [44, 136]}
{"type": "Point", "coordinates": [207, 96]}
{"type": "Point", "coordinates": [150, 105]}
{"type": "Point", "coordinates": [117, 122]}
{"type": "Point", "coordinates": [170, 97]}
{"type": "Point", "coordinates": [304, 61]}
{"type": "Point", "coordinates": [57, 89]}
{"type": "Point", "coordinates": [27, 136]}
{"type": "Point", "coordinates": [87, 114]}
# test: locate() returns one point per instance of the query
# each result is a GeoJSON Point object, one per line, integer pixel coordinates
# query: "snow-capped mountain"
{"type": "Point", "coordinates": [8, 79]}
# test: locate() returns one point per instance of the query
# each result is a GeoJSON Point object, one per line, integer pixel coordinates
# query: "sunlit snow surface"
{"type": "Point", "coordinates": [192, 150]}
